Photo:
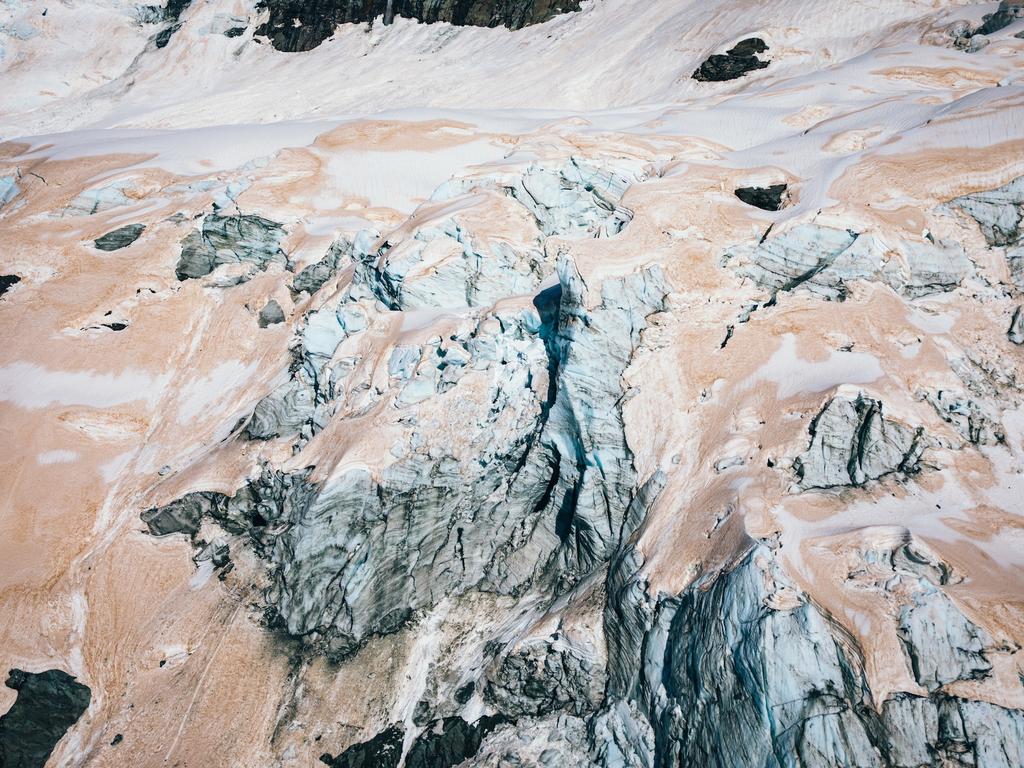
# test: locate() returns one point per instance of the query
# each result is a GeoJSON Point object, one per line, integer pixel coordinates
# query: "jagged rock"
{"type": "Point", "coordinates": [442, 264]}
{"type": "Point", "coordinates": [852, 443]}
{"type": "Point", "coordinates": [1016, 330]}
{"type": "Point", "coordinates": [100, 199]}
{"type": "Point", "coordinates": [823, 260]}
{"type": "Point", "coordinates": [942, 644]}
{"type": "Point", "coordinates": [547, 500]}
{"type": "Point", "coordinates": [9, 189]}
{"type": "Point", "coordinates": [734, 63]}
{"type": "Point", "coordinates": [271, 314]}
{"type": "Point", "coordinates": [231, 239]}
{"type": "Point", "coordinates": [7, 282]}
{"type": "Point", "coordinates": [725, 678]}
{"type": "Point", "coordinates": [382, 751]}
{"type": "Point", "coordinates": [999, 213]}
{"type": "Point", "coordinates": [255, 509]}
{"type": "Point", "coordinates": [312, 278]}
{"type": "Point", "coordinates": [443, 744]}
{"type": "Point", "coordinates": [119, 238]}
{"type": "Point", "coordinates": [217, 552]}
{"type": "Point", "coordinates": [1007, 12]}
{"type": "Point", "coordinates": [556, 741]}
{"type": "Point", "coordinates": [300, 25]}
{"type": "Point", "coordinates": [48, 704]}
{"type": "Point", "coordinates": [972, 420]}
{"type": "Point", "coordinates": [580, 198]}
{"type": "Point", "coordinates": [771, 198]}
{"type": "Point", "coordinates": [545, 676]}
{"type": "Point", "coordinates": [283, 412]}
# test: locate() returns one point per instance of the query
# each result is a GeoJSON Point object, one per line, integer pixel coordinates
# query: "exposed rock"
{"type": "Point", "coordinates": [973, 421]}
{"type": "Point", "coordinates": [545, 676]}
{"type": "Point", "coordinates": [942, 644]}
{"type": "Point", "coordinates": [300, 25]}
{"type": "Point", "coordinates": [99, 199]}
{"type": "Point", "coordinates": [621, 737]}
{"type": "Point", "coordinates": [271, 314]}
{"type": "Point", "coordinates": [999, 213]}
{"type": "Point", "coordinates": [48, 704]}
{"type": "Point", "coordinates": [382, 751]}
{"type": "Point", "coordinates": [1007, 12]}
{"type": "Point", "coordinates": [9, 189]}
{"type": "Point", "coordinates": [231, 239]}
{"type": "Point", "coordinates": [443, 744]}
{"type": "Point", "coordinates": [726, 677]}
{"type": "Point", "coordinates": [547, 500]}
{"type": "Point", "coordinates": [449, 742]}
{"type": "Point", "coordinates": [312, 278]}
{"type": "Point", "coordinates": [119, 238]}
{"type": "Point", "coordinates": [7, 282]}
{"type": "Point", "coordinates": [556, 741]}
{"type": "Point", "coordinates": [824, 260]}
{"type": "Point", "coordinates": [1015, 333]}
{"type": "Point", "coordinates": [852, 443]}
{"type": "Point", "coordinates": [771, 198]}
{"type": "Point", "coordinates": [734, 63]}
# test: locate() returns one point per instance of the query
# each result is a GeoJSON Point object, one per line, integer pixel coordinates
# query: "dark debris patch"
{"type": "Point", "coordinates": [48, 704]}
{"type": "Point", "coordinates": [119, 238]}
{"type": "Point", "coordinates": [7, 282]}
{"type": "Point", "coordinates": [734, 63]}
{"type": "Point", "coordinates": [771, 198]}
{"type": "Point", "coordinates": [301, 25]}
{"type": "Point", "coordinates": [443, 744]}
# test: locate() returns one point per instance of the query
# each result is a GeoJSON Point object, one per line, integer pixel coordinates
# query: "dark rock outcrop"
{"type": "Point", "coordinates": [271, 314]}
{"type": "Point", "coordinates": [739, 60]}
{"type": "Point", "coordinates": [119, 238]}
{"type": "Point", "coordinates": [48, 704]}
{"type": "Point", "coordinates": [824, 260]}
{"type": "Point", "coordinates": [300, 25]}
{"type": "Point", "coordinates": [7, 282]}
{"type": "Point", "coordinates": [382, 751]}
{"type": "Point", "coordinates": [852, 443]}
{"type": "Point", "coordinates": [231, 239]}
{"type": "Point", "coordinates": [443, 744]}
{"type": "Point", "coordinates": [1007, 13]}
{"type": "Point", "coordinates": [1015, 333]}
{"type": "Point", "coordinates": [771, 198]}
{"type": "Point", "coordinates": [1000, 215]}
{"type": "Point", "coordinates": [726, 674]}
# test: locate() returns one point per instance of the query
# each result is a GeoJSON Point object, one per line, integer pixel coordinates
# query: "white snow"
{"type": "Point", "coordinates": [32, 386]}
{"type": "Point", "coordinates": [57, 456]}
{"type": "Point", "coordinates": [795, 375]}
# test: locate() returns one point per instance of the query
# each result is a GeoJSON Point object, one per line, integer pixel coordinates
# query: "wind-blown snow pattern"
{"type": "Point", "coordinates": [611, 384]}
